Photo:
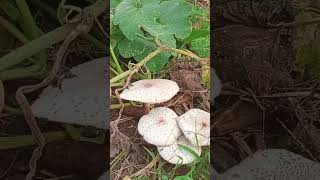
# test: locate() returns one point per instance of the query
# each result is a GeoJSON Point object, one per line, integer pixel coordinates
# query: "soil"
{"type": "Point", "coordinates": [261, 105]}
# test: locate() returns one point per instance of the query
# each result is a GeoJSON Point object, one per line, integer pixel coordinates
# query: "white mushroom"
{"type": "Point", "coordinates": [175, 154]}
{"type": "Point", "coordinates": [81, 100]}
{"type": "Point", "coordinates": [272, 164]}
{"type": "Point", "coordinates": [151, 91]}
{"type": "Point", "coordinates": [195, 125]}
{"type": "Point", "coordinates": [159, 127]}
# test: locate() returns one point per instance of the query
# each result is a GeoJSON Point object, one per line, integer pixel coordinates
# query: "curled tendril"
{"type": "Point", "coordinates": [131, 65]}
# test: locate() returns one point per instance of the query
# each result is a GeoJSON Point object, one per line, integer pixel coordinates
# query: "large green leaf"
{"type": "Point", "coordinates": [131, 14]}
{"type": "Point", "coordinates": [139, 48]}
{"type": "Point", "coordinates": [163, 20]}
{"type": "Point", "coordinates": [201, 46]}
{"type": "Point", "coordinates": [114, 3]}
{"type": "Point", "coordinates": [171, 20]}
{"type": "Point", "coordinates": [197, 33]}
{"type": "Point", "coordinates": [143, 20]}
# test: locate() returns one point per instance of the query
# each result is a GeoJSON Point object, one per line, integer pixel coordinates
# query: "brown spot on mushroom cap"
{"type": "Point", "coordinates": [204, 124]}
{"type": "Point", "coordinates": [150, 91]}
{"type": "Point", "coordinates": [159, 127]}
{"type": "Point", "coordinates": [148, 85]}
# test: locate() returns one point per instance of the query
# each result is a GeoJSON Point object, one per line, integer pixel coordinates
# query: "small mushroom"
{"type": "Point", "coordinates": [159, 127]}
{"type": "Point", "coordinates": [176, 154]}
{"type": "Point", "coordinates": [195, 125]}
{"type": "Point", "coordinates": [151, 91]}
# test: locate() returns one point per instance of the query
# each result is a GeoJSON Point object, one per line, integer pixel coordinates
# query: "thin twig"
{"type": "Point", "coordinates": [256, 100]}
{"type": "Point", "coordinates": [287, 94]}
{"type": "Point", "coordinates": [297, 140]}
{"type": "Point", "coordinates": [10, 166]}
{"type": "Point", "coordinates": [147, 167]}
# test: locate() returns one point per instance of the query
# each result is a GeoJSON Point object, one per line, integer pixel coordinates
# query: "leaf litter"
{"type": "Point", "coordinates": [266, 58]}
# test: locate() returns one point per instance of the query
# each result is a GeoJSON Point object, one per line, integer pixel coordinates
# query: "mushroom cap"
{"type": "Point", "coordinates": [274, 164]}
{"type": "Point", "coordinates": [159, 127]}
{"type": "Point", "coordinates": [151, 91]}
{"type": "Point", "coordinates": [178, 155]}
{"type": "Point", "coordinates": [82, 99]}
{"type": "Point", "coordinates": [195, 125]}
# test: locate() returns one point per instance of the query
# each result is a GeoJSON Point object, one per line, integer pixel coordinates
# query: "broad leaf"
{"type": "Point", "coordinates": [201, 46]}
{"type": "Point", "coordinates": [131, 14]}
{"type": "Point", "coordinates": [114, 3]}
{"type": "Point", "coordinates": [163, 20]}
{"type": "Point", "coordinates": [139, 48]}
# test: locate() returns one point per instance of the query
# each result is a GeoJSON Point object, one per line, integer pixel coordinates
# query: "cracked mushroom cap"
{"type": "Point", "coordinates": [175, 154]}
{"type": "Point", "coordinates": [151, 91]}
{"type": "Point", "coordinates": [195, 125]}
{"type": "Point", "coordinates": [159, 127]}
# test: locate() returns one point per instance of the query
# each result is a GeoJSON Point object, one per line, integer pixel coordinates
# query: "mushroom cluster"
{"type": "Point", "coordinates": [162, 127]}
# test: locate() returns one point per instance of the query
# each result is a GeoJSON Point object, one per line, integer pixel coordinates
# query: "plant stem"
{"type": "Point", "coordinates": [115, 59]}
{"type": "Point", "coordinates": [116, 84]}
{"type": "Point", "coordinates": [114, 71]}
{"type": "Point", "coordinates": [11, 11]}
{"type": "Point", "coordinates": [153, 54]}
{"type": "Point", "coordinates": [13, 30]}
{"type": "Point", "coordinates": [12, 110]}
{"type": "Point", "coordinates": [31, 30]}
{"type": "Point", "coordinates": [53, 15]}
{"type": "Point", "coordinates": [117, 106]}
{"type": "Point", "coordinates": [186, 53]}
{"type": "Point", "coordinates": [45, 7]}
{"type": "Point", "coordinates": [29, 140]}
{"type": "Point", "coordinates": [33, 71]}
{"type": "Point", "coordinates": [26, 21]}
{"type": "Point", "coordinates": [95, 42]}
{"type": "Point", "coordinates": [140, 64]}
{"type": "Point", "coordinates": [20, 54]}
